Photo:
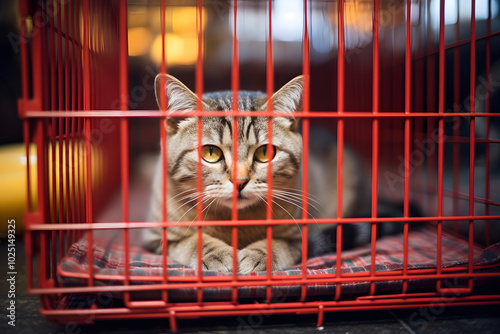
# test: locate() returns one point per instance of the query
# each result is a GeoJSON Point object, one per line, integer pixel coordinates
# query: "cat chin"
{"type": "Point", "coordinates": [242, 203]}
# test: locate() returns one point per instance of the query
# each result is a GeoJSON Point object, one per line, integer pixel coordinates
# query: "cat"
{"type": "Point", "coordinates": [251, 178]}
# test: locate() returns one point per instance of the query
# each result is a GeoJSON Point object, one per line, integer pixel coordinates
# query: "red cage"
{"type": "Point", "coordinates": [407, 85]}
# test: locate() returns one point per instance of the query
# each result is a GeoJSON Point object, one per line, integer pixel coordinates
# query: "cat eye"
{"type": "Point", "coordinates": [211, 153]}
{"type": "Point", "coordinates": [263, 155]}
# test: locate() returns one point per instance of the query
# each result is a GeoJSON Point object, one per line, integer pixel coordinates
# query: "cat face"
{"type": "Point", "coordinates": [219, 169]}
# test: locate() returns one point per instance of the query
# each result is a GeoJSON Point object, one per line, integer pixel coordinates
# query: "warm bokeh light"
{"type": "Point", "coordinates": [180, 50]}
{"type": "Point", "coordinates": [181, 38]}
{"type": "Point", "coordinates": [139, 41]}
{"type": "Point", "coordinates": [184, 20]}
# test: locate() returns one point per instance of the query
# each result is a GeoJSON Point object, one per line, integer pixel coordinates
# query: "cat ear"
{"type": "Point", "coordinates": [178, 98]}
{"type": "Point", "coordinates": [289, 99]}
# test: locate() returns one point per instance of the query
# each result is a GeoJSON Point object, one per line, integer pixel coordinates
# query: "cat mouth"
{"type": "Point", "coordinates": [242, 201]}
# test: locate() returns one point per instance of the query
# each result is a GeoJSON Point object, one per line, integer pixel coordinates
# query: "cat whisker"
{"type": "Point", "coordinates": [196, 217]}
{"type": "Point", "coordinates": [194, 199]}
{"type": "Point", "coordinates": [191, 208]}
{"type": "Point", "coordinates": [300, 193]}
{"type": "Point", "coordinates": [207, 208]}
{"type": "Point", "coordinates": [265, 201]}
{"type": "Point", "coordinates": [299, 198]}
{"type": "Point", "coordinates": [193, 193]}
{"type": "Point", "coordinates": [298, 226]}
{"type": "Point", "coordinates": [288, 200]}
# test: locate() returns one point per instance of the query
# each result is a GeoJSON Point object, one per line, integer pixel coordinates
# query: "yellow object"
{"type": "Point", "coordinates": [13, 179]}
{"type": "Point", "coordinates": [13, 184]}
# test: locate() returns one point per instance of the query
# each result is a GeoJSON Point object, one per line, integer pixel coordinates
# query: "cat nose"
{"type": "Point", "coordinates": [242, 182]}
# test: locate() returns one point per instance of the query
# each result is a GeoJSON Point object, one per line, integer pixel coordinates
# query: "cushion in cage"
{"type": "Point", "coordinates": [109, 259]}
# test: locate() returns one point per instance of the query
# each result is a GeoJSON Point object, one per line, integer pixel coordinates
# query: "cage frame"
{"type": "Point", "coordinates": [41, 227]}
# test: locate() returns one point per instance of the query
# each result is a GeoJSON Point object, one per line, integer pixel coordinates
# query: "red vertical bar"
{"type": "Point", "coordinates": [407, 142]}
{"type": "Point", "coordinates": [123, 91]}
{"type": "Point", "coordinates": [66, 129]}
{"type": "Point", "coordinates": [199, 93]}
{"type": "Point", "coordinates": [66, 56]}
{"type": "Point", "coordinates": [456, 129]}
{"type": "Point", "coordinates": [24, 57]}
{"type": "Point", "coordinates": [88, 148]}
{"type": "Point", "coordinates": [472, 136]}
{"type": "Point", "coordinates": [61, 99]}
{"type": "Point", "coordinates": [430, 94]}
{"type": "Point", "coordinates": [375, 136]}
{"type": "Point", "coordinates": [71, 236]}
{"type": "Point", "coordinates": [340, 137]}
{"type": "Point", "coordinates": [53, 121]}
{"type": "Point", "coordinates": [270, 90]}
{"type": "Point", "coordinates": [234, 87]}
{"type": "Point", "coordinates": [26, 137]}
{"type": "Point", "coordinates": [60, 70]}
{"type": "Point", "coordinates": [408, 79]}
{"type": "Point", "coordinates": [163, 134]}
{"type": "Point", "coordinates": [487, 130]}
{"type": "Point", "coordinates": [440, 138]}
{"type": "Point", "coordinates": [305, 136]}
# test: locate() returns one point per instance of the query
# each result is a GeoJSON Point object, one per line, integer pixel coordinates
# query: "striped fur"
{"type": "Point", "coordinates": [217, 192]}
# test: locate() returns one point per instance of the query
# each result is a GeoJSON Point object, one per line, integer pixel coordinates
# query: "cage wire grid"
{"type": "Point", "coordinates": [76, 53]}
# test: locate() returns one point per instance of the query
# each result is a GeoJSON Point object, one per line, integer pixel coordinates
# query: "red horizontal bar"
{"type": "Point", "coordinates": [264, 280]}
{"type": "Point", "coordinates": [311, 280]}
{"type": "Point", "coordinates": [461, 195]}
{"type": "Point", "coordinates": [104, 314]}
{"type": "Point", "coordinates": [119, 225]}
{"type": "Point", "coordinates": [456, 45]}
{"type": "Point", "coordinates": [309, 114]}
{"type": "Point", "coordinates": [294, 307]}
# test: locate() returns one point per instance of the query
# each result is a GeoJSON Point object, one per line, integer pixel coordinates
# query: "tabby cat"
{"type": "Point", "coordinates": [251, 177]}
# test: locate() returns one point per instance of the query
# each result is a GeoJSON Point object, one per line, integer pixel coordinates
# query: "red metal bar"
{"type": "Point", "coordinates": [60, 70]}
{"type": "Point", "coordinates": [61, 105]}
{"type": "Point", "coordinates": [53, 102]}
{"type": "Point", "coordinates": [270, 90]}
{"type": "Point", "coordinates": [441, 102]}
{"type": "Point", "coordinates": [261, 281]}
{"type": "Point", "coordinates": [487, 126]}
{"type": "Point", "coordinates": [67, 73]}
{"type": "Point", "coordinates": [234, 88]}
{"type": "Point", "coordinates": [375, 136]}
{"type": "Point", "coordinates": [24, 58]}
{"type": "Point", "coordinates": [472, 135]}
{"type": "Point", "coordinates": [124, 161]}
{"type": "Point", "coordinates": [199, 93]}
{"type": "Point", "coordinates": [456, 108]}
{"type": "Point", "coordinates": [163, 136]}
{"type": "Point", "coordinates": [340, 137]}
{"type": "Point", "coordinates": [96, 113]}
{"type": "Point", "coordinates": [87, 129]}
{"type": "Point", "coordinates": [305, 138]}
{"type": "Point", "coordinates": [431, 97]}
{"type": "Point", "coordinates": [72, 185]}
{"type": "Point", "coordinates": [407, 135]}
{"type": "Point", "coordinates": [256, 222]}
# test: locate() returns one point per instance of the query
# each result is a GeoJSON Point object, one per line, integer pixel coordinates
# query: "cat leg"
{"type": "Point", "coordinates": [285, 253]}
{"type": "Point", "coordinates": [183, 245]}
{"type": "Point", "coordinates": [216, 254]}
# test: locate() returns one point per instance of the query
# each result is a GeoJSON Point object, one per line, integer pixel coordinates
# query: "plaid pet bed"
{"type": "Point", "coordinates": [109, 256]}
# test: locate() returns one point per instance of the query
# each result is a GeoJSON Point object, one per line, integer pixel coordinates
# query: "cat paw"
{"type": "Point", "coordinates": [250, 260]}
{"type": "Point", "coordinates": [220, 259]}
